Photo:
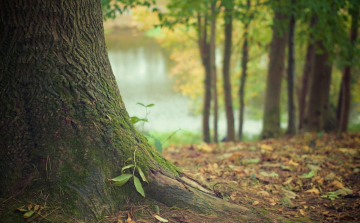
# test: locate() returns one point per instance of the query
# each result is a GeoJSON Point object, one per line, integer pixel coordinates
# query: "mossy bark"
{"type": "Point", "coordinates": [64, 130]}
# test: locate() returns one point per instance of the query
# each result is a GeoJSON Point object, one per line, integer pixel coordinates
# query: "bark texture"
{"type": "Point", "coordinates": [64, 130]}
{"type": "Point", "coordinates": [346, 79]}
{"type": "Point", "coordinates": [271, 120]}
{"type": "Point", "coordinates": [204, 47]}
{"type": "Point", "coordinates": [244, 61]}
{"type": "Point", "coordinates": [318, 107]}
{"type": "Point", "coordinates": [291, 72]}
{"type": "Point", "coordinates": [226, 72]}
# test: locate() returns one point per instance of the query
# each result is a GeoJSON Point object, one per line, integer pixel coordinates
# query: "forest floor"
{"type": "Point", "coordinates": [306, 178]}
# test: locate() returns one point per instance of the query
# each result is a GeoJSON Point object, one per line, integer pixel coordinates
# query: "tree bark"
{"type": "Point", "coordinates": [244, 61]}
{"type": "Point", "coordinates": [306, 74]}
{"type": "Point", "coordinates": [346, 79]}
{"type": "Point", "coordinates": [291, 72]}
{"type": "Point", "coordinates": [230, 137]}
{"type": "Point", "coordinates": [318, 105]}
{"type": "Point", "coordinates": [213, 68]}
{"type": "Point", "coordinates": [64, 130]}
{"type": "Point", "coordinates": [271, 121]}
{"type": "Point", "coordinates": [204, 47]}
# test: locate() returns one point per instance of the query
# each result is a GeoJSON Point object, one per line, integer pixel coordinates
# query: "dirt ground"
{"type": "Point", "coordinates": [306, 178]}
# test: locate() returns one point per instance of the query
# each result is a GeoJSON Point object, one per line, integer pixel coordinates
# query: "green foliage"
{"type": "Point", "coordinates": [113, 8]}
{"type": "Point", "coordinates": [125, 177]}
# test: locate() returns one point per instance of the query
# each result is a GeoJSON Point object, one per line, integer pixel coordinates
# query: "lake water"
{"type": "Point", "coordinates": [142, 68]}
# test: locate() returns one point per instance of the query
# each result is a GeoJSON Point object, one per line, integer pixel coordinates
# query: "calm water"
{"type": "Point", "coordinates": [142, 68]}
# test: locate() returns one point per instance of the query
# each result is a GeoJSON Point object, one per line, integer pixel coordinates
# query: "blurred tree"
{"type": "Point", "coordinates": [345, 93]}
{"type": "Point", "coordinates": [184, 12]}
{"type": "Point", "coordinates": [291, 71]}
{"type": "Point", "coordinates": [306, 74]}
{"type": "Point", "coordinates": [244, 63]}
{"type": "Point", "coordinates": [213, 67]}
{"type": "Point", "coordinates": [271, 121]}
{"type": "Point", "coordinates": [228, 19]}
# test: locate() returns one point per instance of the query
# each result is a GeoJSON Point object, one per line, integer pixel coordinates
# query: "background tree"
{"type": "Point", "coordinates": [244, 62]}
{"type": "Point", "coordinates": [64, 128]}
{"type": "Point", "coordinates": [291, 71]}
{"type": "Point", "coordinates": [306, 74]}
{"type": "Point", "coordinates": [213, 67]}
{"type": "Point", "coordinates": [228, 19]}
{"type": "Point", "coordinates": [271, 120]}
{"type": "Point", "coordinates": [345, 93]}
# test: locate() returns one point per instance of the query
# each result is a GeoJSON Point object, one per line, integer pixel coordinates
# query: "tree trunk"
{"type": "Point", "coordinates": [319, 91]}
{"type": "Point", "coordinates": [230, 137]}
{"type": "Point", "coordinates": [213, 68]}
{"type": "Point", "coordinates": [64, 130]}
{"type": "Point", "coordinates": [306, 74]}
{"type": "Point", "coordinates": [291, 72]}
{"type": "Point", "coordinates": [346, 79]}
{"type": "Point", "coordinates": [244, 61]}
{"type": "Point", "coordinates": [271, 121]}
{"type": "Point", "coordinates": [205, 58]}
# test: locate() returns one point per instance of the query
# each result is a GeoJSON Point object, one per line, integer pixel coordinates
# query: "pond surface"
{"type": "Point", "coordinates": [142, 68]}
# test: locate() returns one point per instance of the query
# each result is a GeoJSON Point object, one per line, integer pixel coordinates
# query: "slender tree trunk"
{"type": "Point", "coordinates": [64, 130]}
{"type": "Point", "coordinates": [305, 84]}
{"type": "Point", "coordinates": [271, 121]}
{"type": "Point", "coordinates": [291, 72]}
{"type": "Point", "coordinates": [319, 91]}
{"type": "Point", "coordinates": [346, 79]}
{"type": "Point", "coordinates": [213, 68]}
{"type": "Point", "coordinates": [244, 61]}
{"type": "Point", "coordinates": [204, 47]}
{"type": "Point", "coordinates": [226, 72]}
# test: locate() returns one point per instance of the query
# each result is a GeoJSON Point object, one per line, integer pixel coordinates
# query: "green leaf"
{"type": "Point", "coordinates": [127, 167]}
{"type": "Point", "coordinates": [128, 160]}
{"type": "Point", "coordinates": [142, 174]}
{"type": "Point", "coordinates": [158, 145]}
{"type": "Point", "coordinates": [134, 120]}
{"type": "Point", "coordinates": [28, 214]}
{"type": "Point", "coordinates": [150, 105]}
{"type": "Point", "coordinates": [122, 179]}
{"type": "Point", "coordinates": [272, 174]}
{"type": "Point", "coordinates": [138, 186]}
{"type": "Point", "coordinates": [308, 175]}
{"type": "Point", "coordinates": [139, 103]}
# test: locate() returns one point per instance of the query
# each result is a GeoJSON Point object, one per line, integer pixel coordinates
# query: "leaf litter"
{"type": "Point", "coordinates": [305, 178]}
{"type": "Point", "coordinates": [302, 177]}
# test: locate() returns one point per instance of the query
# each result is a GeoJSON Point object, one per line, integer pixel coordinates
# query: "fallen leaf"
{"type": "Point", "coordinates": [204, 147]}
{"type": "Point", "coordinates": [291, 162]}
{"type": "Point", "coordinates": [266, 147]}
{"type": "Point", "coordinates": [302, 212]}
{"type": "Point", "coordinates": [160, 218]}
{"type": "Point", "coordinates": [255, 202]}
{"type": "Point", "coordinates": [264, 193]}
{"type": "Point", "coordinates": [336, 184]}
{"type": "Point", "coordinates": [288, 181]}
{"type": "Point", "coordinates": [313, 190]}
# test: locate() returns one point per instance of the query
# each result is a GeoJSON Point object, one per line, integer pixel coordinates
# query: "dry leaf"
{"type": "Point", "coordinates": [336, 184]}
{"type": "Point", "coordinates": [266, 147]}
{"type": "Point", "coordinates": [288, 180]}
{"type": "Point", "coordinates": [313, 190]}
{"type": "Point", "coordinates": [302, 212]}
{"type": "Point", "coordinates": [291, 162]}
{"type": "Point", "coordinates": [160, 218]}
{"type": "Point", "coordinates": [255, 202]}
